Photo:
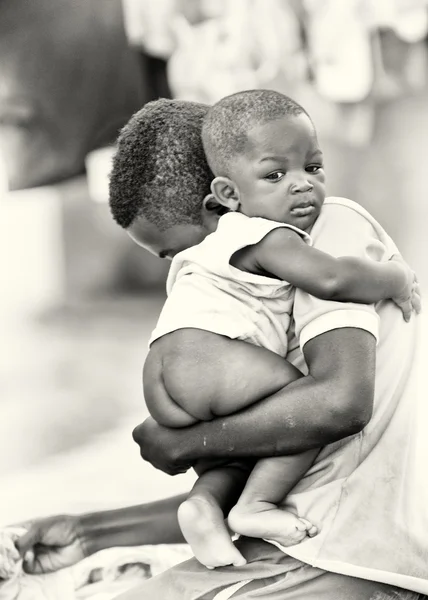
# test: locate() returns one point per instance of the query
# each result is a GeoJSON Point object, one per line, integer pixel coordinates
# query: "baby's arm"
{"type": "Point", "coordinates": [285, 255]}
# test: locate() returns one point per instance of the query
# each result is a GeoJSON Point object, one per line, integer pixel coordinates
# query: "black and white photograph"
{"type": "Point", "coordinates": [213, 338]}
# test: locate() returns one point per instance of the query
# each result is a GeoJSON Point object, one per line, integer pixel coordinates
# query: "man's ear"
{"type": "Point", "coordinates": [225, 192]}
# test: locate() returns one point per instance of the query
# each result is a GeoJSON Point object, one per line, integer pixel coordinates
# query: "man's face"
{"type": "Point", "coordinates": [165, 243]}
{"type": "Point", "coordinates": [280, 176]}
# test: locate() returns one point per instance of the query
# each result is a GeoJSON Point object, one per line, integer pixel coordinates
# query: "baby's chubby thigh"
{"type": "Point", "coordinates": [194, 375]}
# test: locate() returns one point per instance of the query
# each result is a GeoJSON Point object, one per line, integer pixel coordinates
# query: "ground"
{"type": "Point", "coordinates": [71, 397]}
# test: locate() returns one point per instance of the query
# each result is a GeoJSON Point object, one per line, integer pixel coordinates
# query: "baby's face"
{"type": "Point", "coordinates": [165, 243]}
{"type": "Point", "coordinates": [280, 176]}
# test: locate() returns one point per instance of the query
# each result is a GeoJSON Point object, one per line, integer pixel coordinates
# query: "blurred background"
{"type": "Point", "coordinates": [80, 300]}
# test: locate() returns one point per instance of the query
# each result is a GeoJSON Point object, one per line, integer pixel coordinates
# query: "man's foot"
{"type": "Point", "coordinates": [202, 524]}
{"type": "Point", "coordinates": [267, 521]}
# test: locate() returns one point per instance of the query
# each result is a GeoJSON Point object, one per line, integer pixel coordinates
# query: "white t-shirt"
{"type": "Point", "coordinates": [368, 493]}
{"type": "Point", "coordinates": [206, 292]}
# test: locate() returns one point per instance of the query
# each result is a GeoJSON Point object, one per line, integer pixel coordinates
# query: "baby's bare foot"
{"type": "Point", "coordinates": [202, 524]}
{"type": "Point", "coordinates": [267, 521]}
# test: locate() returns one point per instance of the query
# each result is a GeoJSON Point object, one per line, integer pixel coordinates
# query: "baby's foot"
{"type": "Point", "coordinates": [202, 524]}
{"type": "Point", "coordinates": [267, 521]}
{"type": "Point", "coordinates": [302, 528]}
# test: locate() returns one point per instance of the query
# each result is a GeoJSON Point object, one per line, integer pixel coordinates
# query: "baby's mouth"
{"type": "Point", "coordinates": [303, 209]}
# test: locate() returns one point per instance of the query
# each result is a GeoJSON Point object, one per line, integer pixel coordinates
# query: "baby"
{"type": "Point", "coordinates": [237, 282]}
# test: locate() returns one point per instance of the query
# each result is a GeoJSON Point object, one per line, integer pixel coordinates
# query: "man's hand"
{"type": "Point", "coordinates": [409, 301]}
{"type": "Point", "coordinates": [51, 544]}
{"type": "Point", "coordinates": [159, 446]}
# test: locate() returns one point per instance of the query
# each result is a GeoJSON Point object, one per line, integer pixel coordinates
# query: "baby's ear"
{"type": "Point", "coordinates": [225, 192]}
{"type": "Point", "coordinates": [211, 203]}
{"type": "Point", "coordinates": [212, 210]}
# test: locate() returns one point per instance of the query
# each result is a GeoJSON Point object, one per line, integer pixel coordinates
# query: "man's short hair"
{"type": "Point", "coordinates": [160, 170]}
{"type": "Point", "coordinates": [226, 126]}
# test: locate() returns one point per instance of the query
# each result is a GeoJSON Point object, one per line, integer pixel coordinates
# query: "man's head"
{"type": "Point", "coordinates": [160, 177]}
{"type": "Point", "coordinates": [263, 149]}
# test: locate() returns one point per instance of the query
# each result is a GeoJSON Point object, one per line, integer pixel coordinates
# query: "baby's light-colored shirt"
{"type": "Point", "coordinates": [206, 292]}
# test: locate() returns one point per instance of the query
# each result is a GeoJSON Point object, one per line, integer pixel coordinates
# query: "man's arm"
{"type": "Point", "coordinates": [333, 401]}
{"type": "Point", "coordinates": [60, 541]}
{"type": "Point", "coordinates": [53, 543]}
{"type": "Point", "coordinates": [151, 523]}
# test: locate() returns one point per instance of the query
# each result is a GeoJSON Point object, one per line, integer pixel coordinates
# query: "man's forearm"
{"type": "Point", "coordinates": [331, 403]}
{"type": "Point", "coordinates": [151, 523]}
{"type": "Point", "coordinates": [271, 427]}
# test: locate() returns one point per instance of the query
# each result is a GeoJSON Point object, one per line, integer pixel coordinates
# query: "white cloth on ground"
{"type": "Point", "coordinates": [102, 576]}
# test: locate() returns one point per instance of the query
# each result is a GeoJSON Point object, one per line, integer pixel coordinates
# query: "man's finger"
{"type": "Point", "coordinates": [406, 309]}
{"type": "Point", "coordinates": [146, 459]}
{"type": "Point", "coordinates": [136, 433]}
{"type": "Point", "coordinates": [36, 565]}
{"type": "Point", "coordinates": [28, 562]}
{"type": "Point", "coordinates": [28, 540]}
{"type": "Point", "coordinates": [416, 303]}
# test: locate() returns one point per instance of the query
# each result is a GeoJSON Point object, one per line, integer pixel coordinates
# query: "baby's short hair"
{"type": "Point", "coordinates": [225, 128]}
{"type": "Point", "coordinates": [160, 170]}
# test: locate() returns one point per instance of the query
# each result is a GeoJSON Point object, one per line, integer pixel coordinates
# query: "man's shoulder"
{"type": "Point", "coordinates": [345, 213]}
{"type": "Point", "coordinates": [342, 220]}
{"type": "Point", "coordinates": [337, 204]}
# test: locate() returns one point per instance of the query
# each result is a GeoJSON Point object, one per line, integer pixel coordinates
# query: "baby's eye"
{"type": "Point", "coordinates": [275, 176]}
{"type": "Point", "coordinates": [313, 168]}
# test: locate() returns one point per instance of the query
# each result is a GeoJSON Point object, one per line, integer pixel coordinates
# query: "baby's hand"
{"type": "Point", "coordinates": [409, 300]}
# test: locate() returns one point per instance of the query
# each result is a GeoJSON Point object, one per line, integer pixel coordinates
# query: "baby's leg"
{"type": "Point", "coordinates": [201, 516]}
{"type": "Point", "coordinates": [192, 375]}
{"type": "Point", "coordinates": [256, 513]}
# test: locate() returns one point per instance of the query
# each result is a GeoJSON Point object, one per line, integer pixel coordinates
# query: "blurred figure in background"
{"type": "Point", "coordinates": [68, 82]}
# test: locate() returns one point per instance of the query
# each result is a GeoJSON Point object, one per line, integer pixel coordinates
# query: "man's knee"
{"type": "Point", "coordinates": [397, 594]}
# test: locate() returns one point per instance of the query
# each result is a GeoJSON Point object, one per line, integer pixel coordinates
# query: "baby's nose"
{"type": "Point", "coordinates": [301, 185]}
